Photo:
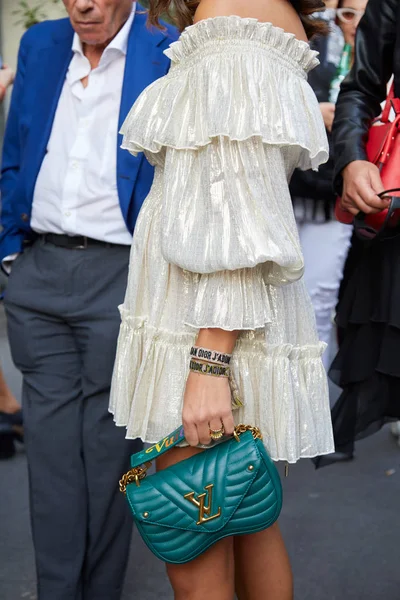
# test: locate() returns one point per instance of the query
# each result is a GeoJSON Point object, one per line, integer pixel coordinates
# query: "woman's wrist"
{"type": "Point", "coordinates": [3, 91]}
{"type": "Point", "coordinates": [217, 339]}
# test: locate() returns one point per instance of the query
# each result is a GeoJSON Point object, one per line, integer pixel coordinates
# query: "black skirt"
{"type": "Point", "coordinates": [367, 366]}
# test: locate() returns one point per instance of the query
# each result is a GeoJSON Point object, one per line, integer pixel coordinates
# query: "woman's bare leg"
{"type": "Point", "coordinates": [211, 575]}
{"type": "Point", "coordinates": [262, 567]}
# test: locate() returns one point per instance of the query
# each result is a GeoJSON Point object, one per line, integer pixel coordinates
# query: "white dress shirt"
{"type": "Point", "coordinates": [76, 189]}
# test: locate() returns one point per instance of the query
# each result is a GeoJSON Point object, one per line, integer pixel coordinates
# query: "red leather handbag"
{"type": "Point", "coordinates": [383, 149]}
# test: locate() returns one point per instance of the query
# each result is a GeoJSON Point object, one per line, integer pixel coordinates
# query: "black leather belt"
{"type": "Point", "coordinates": [74, 242]}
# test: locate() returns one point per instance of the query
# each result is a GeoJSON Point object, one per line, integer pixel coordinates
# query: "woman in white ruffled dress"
{"type": "Point", "coordinates": [216, 260]}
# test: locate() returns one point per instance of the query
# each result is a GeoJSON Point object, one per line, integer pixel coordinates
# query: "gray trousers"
{"type": "Point", "coordinates": [63, 324]}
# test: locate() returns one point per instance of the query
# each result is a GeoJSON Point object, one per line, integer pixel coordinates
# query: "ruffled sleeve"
{"type": "Point", "coordinates": [233, 119]}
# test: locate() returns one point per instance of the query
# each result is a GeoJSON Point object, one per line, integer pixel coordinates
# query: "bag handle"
{"type": "Point", "coordinates": [386, 192]}
{"type": "Point", "coordinates": [391, 102]}
{"type": "Point", "coordinates": [153, 452]}
{"type": "Point", "coordinates": [141, 461]}
{"type": "Point", "coordinates": [388, 105]}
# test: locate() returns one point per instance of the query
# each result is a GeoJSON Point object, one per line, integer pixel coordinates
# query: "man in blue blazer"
{"type": "Point", "coordinates": [70, 200]}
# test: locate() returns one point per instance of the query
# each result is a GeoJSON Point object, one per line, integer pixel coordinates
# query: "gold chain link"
{"type": "Point", "coordinates": [133, 476]}
{"type": "Point", "coordinates": [239, 429]}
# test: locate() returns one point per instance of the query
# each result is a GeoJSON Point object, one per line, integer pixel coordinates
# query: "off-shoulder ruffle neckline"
{"type": "Point", "coordinates": [231, 78]}
{"type": "Point", "coordinates": [232, 27]}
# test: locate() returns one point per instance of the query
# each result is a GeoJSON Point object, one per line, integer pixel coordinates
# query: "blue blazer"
{"type": "Point", "coordinates": [44, 57]}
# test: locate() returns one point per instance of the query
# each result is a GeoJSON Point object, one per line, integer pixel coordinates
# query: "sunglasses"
{"type": "Point", "coordinates": [348, 15]}
{"type": "Point", "coordinates": [370, 227]}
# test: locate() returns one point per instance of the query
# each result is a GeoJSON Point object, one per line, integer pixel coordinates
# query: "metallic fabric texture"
{"type": "Point", "coordinates": [216, 243]}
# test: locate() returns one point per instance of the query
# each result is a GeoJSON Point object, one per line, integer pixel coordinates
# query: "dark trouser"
{"type": "Point", "coordinates": [63, 324]}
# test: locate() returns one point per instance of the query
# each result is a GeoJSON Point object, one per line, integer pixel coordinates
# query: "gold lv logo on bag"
{"type": "Point", "coordinates": [200, 502]}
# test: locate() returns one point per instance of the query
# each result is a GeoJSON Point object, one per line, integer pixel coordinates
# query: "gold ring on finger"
{"type": "Point", "coordinates": [216, 434]}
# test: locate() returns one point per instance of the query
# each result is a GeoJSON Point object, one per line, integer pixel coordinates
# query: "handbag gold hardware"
{"type": "Point", "coordinates": [239, 429]}
{"type": "Point", "coordinates": [201, 505]}
{"type": "Point", "coordinates": [138, 473]}
{"type": "Point", "coordinates": [133, 476]}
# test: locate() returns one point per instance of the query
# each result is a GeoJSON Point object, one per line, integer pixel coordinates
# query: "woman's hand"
{"type": "Point", "coordinates": [207, 405]}
{"type": "Point", "coordinates": [6, 76]}
{"type": "Point", "coordinates": [361, 185]}
{"type": "Point", "coordinates": [328, 114]}
{"type": "Point", "coordinates": [207, 402]}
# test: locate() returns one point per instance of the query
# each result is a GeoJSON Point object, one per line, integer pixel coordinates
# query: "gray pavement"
{"type": "Point", "coordinates": [341, 525]}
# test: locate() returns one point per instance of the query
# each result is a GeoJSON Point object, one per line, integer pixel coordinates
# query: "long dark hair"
{"type": "Point", "coordinates": [183, 11]}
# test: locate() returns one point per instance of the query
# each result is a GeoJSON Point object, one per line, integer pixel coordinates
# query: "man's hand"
{"type": "Point", "coordinates": [328, 114]}
{"type": "Point", "coordinates": [361, 184]}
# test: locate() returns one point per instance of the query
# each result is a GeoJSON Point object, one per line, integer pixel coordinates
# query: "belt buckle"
{"type": "Point", "coordinates": [84, 245]}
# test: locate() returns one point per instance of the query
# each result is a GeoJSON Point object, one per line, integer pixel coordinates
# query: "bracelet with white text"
{"type": "Point", "coordinates": [209, 369]}
{"type": "Point", "coordinates": [212, 356]}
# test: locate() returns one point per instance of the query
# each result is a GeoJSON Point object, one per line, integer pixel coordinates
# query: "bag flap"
{"type": "Point", "coordinates": [381, 138]}
{"type": "Point", "coordinates": [377, 136]}
{"type": "Point", "coordinates": [200, 493]}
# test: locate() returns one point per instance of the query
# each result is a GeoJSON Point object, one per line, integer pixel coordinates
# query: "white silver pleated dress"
{"type": "Point", "coordinates": [216, 243]}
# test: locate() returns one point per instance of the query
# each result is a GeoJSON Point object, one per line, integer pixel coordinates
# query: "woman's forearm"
{"type": "Point", "coordinates": [217, 339]}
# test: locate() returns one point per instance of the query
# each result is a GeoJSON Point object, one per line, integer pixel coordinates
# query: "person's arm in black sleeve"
{"type": "Point", "coordinates": [365, 87]}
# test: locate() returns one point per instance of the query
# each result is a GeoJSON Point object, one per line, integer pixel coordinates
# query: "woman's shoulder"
{"type": "Point", "coordinates": [232, 77]}
{"type": "Point", "coordinates": [280, 13]}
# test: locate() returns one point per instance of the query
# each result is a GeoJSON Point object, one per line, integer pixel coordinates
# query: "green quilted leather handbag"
{"type": "Point", "coordinates": [232, 488]}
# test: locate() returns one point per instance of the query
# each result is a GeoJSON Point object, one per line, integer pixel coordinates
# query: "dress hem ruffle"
{"type": "Point", "coordinates": [225, 327]}
{"type": "Point", "coordinates": [281, 388]}
{"type": "Point", "coordinates": [275, 459]}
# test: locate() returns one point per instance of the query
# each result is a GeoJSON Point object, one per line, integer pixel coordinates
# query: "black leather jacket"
{"type": "Point", "coordinates": [310, 184]}
{"type": "Point", "coordinates": [377, 57]}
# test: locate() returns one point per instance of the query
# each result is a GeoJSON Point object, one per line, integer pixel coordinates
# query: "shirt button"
{"type": "Point", "coordinates": [25, 217]}
{"type": "Point", "coordinates": [67, 214]}
{"type": "Point", "coordinates": [74, 165]}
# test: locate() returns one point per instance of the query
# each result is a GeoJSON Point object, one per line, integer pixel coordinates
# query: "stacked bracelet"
{"type": "Point", "coordinates": [209, 369]}
{"type": "Point", "coordinates": [211, 356]}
